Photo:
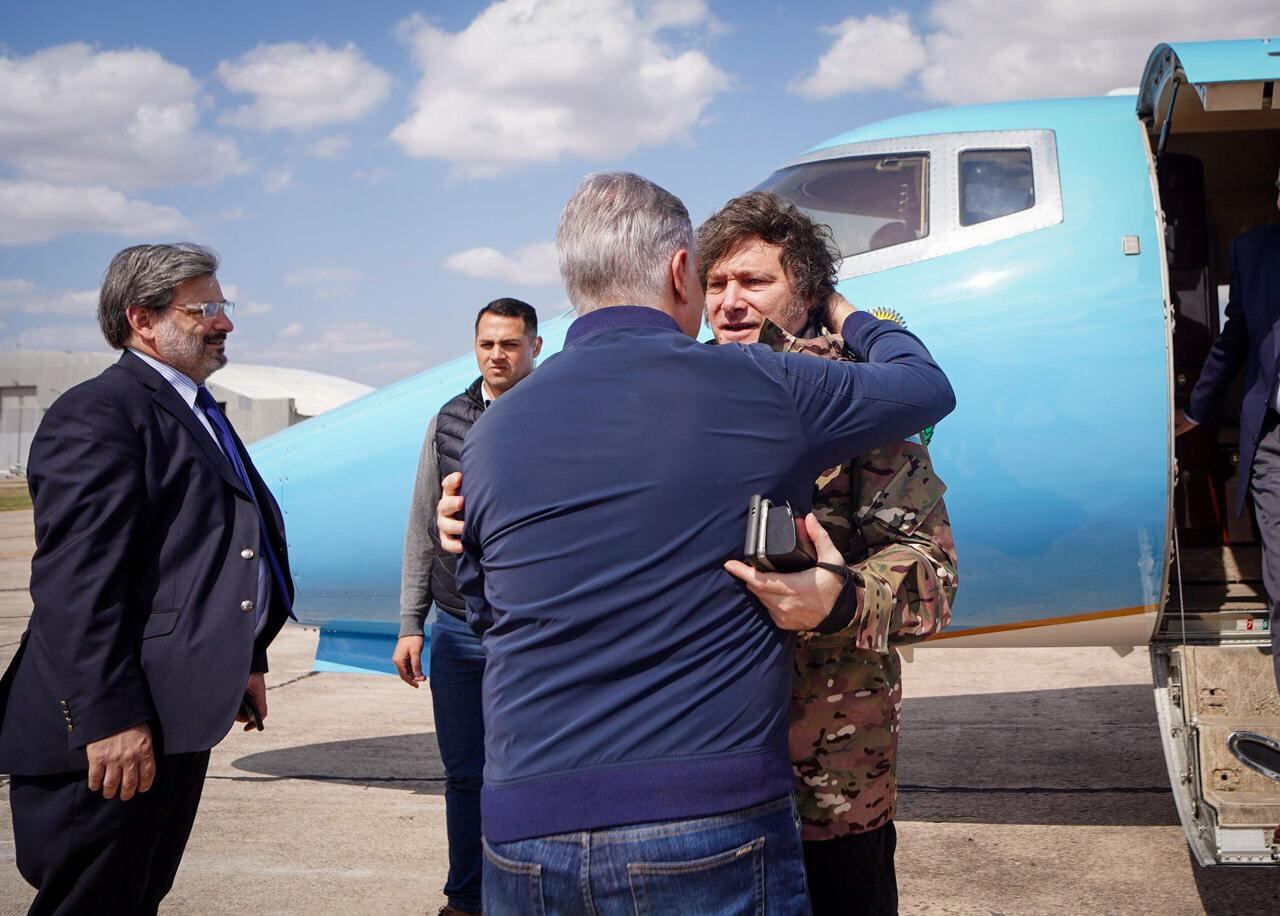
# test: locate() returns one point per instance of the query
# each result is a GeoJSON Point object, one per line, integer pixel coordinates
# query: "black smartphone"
{"type": "Point", "coordinates": [250, 711]}
{"type": "Point", "coordinates": [771, 543]}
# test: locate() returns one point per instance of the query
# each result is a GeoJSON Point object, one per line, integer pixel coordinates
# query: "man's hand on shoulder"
{"type": "Point", "coordinates": [408, 660]}
{"type": "Point", "coordinates": [798, 600]}
{"type": "Point", "coordinates": [838, 309]}
{"type": "Point", "coordinates": [124, 762]}
{"type": "Point", "coordinates": [449, 513]}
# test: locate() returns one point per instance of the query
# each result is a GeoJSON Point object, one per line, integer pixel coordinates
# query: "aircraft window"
{"type": "Point", "coordinates": [869, 202]}
{"type": "Point", "coordinates": [995, 183]}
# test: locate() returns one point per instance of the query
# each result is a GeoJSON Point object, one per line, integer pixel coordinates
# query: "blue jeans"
{"type": "Point", "coordinates": [744, 862]}
{"type": "Point", "coordinates": [457, 668]}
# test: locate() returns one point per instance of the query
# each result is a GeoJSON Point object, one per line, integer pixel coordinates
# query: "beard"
{"type": "Point", "coordinates": [186, 350]}
{"type": "Point", "coordinates": [797, 314]}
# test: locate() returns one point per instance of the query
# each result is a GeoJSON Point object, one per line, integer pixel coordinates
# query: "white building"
{"type": "Point", "coordinates": [259, 400]}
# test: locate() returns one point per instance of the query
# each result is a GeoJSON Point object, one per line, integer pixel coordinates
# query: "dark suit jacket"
{"type": "Point", "coordinates": [141, 572]}
{"type": "Point", "coordinates": [1250, 338]}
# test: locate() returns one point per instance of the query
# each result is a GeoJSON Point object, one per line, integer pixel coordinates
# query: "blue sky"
{"type": "Point", "coordinates": [373, 173]}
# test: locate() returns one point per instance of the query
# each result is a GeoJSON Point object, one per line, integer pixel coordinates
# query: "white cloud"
{"type": "Point", "coordinates": [665, 13]}
{"type": "Point", "coordinates": [991, 50]}
{"type": "Point", "coordinates": [374, 353]}
{"type": "Point", "coordinates": [571, 78]}
{"type": "Point", "coordinates": [325, 282]}
{"type": "Point", "coordinates": [871, 52]}
{"type": "Point", "coordinates": [36, 212]}
{"type": "Point", "coordinates": [246, 308]}
{"type": "Point", "coordinates": [62, 337]}
{"type": "Point", "coordinates": [298, 87]}
{"type": "Point", "coordinates": [352, 338]}
{"type": "Point", "coordinates": [535, 265]}
{"type": "Point", "coordinates": [277, 181]}
{"type": "Point", "coordinates": [24, 296]}
{"type": "Point", "coordinates": [330, 147]}
{"type": "Point", "coordinates": [71, 114]}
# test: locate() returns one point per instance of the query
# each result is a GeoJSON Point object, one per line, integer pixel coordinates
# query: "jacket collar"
{"type": "Point", "coordinates": [813, 337]}
{"type": "Point", "coordinates": [475, 392]}
{"type": "Point", "coordinates": [619, 316]}
{"type": "Point", "coordinates": [165, 395]}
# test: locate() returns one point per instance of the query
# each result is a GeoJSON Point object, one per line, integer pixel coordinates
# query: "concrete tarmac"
{"type": "Point", "coordinates": [1032, 783]}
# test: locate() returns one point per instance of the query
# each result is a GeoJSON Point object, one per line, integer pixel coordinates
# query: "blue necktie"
{"type": "Point", "coordinates": [220, 426]}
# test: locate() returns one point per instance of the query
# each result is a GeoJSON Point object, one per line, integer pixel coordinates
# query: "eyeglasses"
{"type": "Point", "coordinates": [208, 310]}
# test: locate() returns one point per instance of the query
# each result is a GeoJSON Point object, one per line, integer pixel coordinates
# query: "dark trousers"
{"type": "Point", "coordinates": [88, 854]}
{"type": "Point", "coordinates": [457, 669]}
{"type": "Point", "coordinates": [1264, 484]}
{"type": "Point", "coordinates": [853, 875]}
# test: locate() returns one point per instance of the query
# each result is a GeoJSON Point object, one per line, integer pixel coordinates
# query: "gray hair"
{"type": "Point", "coordinates": [617, 236]}
{"type": "Point", "coordinates": [146, 275]}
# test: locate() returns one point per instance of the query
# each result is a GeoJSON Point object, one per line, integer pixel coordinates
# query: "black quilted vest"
{"type": "Point", "coordinates": [452, 425]}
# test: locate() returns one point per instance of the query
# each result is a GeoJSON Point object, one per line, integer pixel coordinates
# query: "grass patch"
{"type": "Point", "coordinates": [14, 498]}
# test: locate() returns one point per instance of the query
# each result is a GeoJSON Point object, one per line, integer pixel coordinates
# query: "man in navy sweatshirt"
{"type": "Point", "coordinates": [636, 695]}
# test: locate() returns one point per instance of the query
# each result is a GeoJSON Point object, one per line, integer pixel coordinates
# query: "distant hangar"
{"type": "Point", "coordinates": [259, 400]}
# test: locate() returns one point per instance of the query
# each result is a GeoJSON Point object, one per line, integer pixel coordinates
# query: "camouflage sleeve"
{"type": "Point", "coordinates": [906, 579]}
{"type": "Point", "coordinates": [905, 588]}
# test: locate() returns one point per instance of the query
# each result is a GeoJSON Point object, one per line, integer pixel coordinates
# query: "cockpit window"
{"type": "Point", "coordinates": [995, 183]}
{"type": "Point", "coordinates": [869, 202]}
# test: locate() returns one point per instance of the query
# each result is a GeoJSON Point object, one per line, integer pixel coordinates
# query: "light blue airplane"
{"type": "Point", "coordinates": [1062, 260]}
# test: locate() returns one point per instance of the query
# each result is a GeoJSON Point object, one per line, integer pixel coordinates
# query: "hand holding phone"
{"type": "Point", "coordinates": [772, 543]}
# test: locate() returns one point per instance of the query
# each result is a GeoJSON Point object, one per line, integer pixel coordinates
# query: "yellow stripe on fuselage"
{"type": "Point", "coordinates": [1048, 622]}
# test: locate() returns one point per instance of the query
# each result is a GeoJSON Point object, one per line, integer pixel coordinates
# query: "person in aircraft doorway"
{"type": "Point", "coordinates": [1248, 341]}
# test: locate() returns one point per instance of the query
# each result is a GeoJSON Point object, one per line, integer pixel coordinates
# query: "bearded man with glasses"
{"type": "Point", "coordinates": [160, 576]}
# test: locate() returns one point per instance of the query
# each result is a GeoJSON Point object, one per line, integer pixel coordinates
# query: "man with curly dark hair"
{"type": "Point", "coordinates": [768, 270]}
{"type": "Point", "coordinates": [775, 249]}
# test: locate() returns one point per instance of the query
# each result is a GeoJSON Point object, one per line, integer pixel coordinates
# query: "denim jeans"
{"type": "Point", "coordinates": [743, 862]}
{"type": "Point", "coordinates": [457, 668]}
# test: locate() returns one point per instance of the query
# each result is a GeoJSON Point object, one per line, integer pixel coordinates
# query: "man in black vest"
{"type": "Point", "coordinates": [507, 343]}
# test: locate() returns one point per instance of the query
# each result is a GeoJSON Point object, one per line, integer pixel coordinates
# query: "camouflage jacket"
{"type": "Point", "coordinates": [847, 694]}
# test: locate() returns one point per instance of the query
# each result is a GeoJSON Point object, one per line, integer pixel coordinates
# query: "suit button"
{"type": "Point", "coordinates": [70, 729]}
{"type": "Point", "coordinates": [247, 553]}
{"type": "Point", "coordinates": [246, 606]}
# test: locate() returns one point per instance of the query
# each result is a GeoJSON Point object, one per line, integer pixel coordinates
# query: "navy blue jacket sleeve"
{"type": "Point", "coordinates": [469, 575]}
{"type": "Point", "coordinates": [1226, 356]}
{"type": "Point", "coordinates": [846, 408]}
{"type": "Point", "coordinates": [86, 479]}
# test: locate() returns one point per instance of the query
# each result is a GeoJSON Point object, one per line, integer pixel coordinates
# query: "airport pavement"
{"type": "Point", "coordinates": [1033, 783]}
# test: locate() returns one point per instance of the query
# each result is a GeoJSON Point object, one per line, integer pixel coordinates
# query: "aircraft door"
{"type": "Point", "coordinates": [1212, 131]}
